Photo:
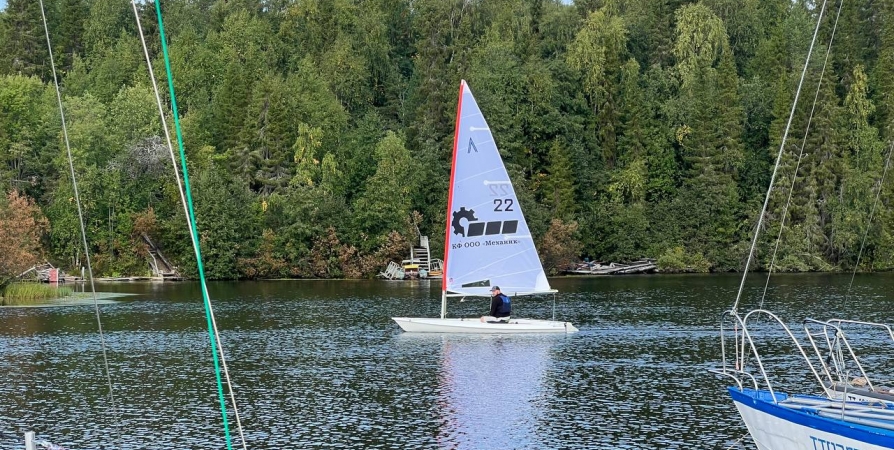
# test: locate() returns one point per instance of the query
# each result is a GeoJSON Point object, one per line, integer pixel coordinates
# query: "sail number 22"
{"type": "Point", "coordinates": [501, 189]}
{"type": "Point", "coordinates": [504, 203]}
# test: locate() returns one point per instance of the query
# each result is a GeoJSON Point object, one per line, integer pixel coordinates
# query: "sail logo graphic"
{"type": "Point", "coordinates": [471, 147]}
{"type": "Point", "coordinates": [480, 228]}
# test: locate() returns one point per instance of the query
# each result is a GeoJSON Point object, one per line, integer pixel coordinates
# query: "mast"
{"type": "Point", "coordinates": [459, 108]}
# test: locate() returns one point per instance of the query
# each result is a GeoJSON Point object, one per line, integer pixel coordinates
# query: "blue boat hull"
{"type": "Point", "coordinates": [810, 423]}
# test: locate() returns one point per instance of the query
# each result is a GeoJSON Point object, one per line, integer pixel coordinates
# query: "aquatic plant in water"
{"type": "Point", "coordinates": [30, 293]}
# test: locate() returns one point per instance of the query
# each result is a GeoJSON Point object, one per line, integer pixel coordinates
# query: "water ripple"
{"type": "Point", "coordinates": [321, 365]}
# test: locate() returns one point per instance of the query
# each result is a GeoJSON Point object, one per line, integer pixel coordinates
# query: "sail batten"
{"type": "Point", "coordinates": [487, 235]}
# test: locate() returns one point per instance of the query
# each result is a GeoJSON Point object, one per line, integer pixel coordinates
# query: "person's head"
{"type": "Point", "coordinates": [495, 290]}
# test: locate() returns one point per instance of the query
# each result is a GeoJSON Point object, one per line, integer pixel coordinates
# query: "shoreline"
{"type": "Point", "coordinates": [438, 280]}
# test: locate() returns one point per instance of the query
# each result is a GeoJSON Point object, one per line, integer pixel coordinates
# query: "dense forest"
{"type": "Point", "coordinates": [319, 132]}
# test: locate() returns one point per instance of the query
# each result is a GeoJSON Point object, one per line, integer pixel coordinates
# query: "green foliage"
{"type": "Point", "coordinates": [629, 184]}
{"type": "Point", "coordinates": [132, 117]}
{"type": "Point", "coordinates": [306, 147]}
{"type": "Point", "coordinates": [701, 40]}
{"type": "Point", "coordinates": [597, 52]}
{"type": "Point", "coordinates": [597, 49]}
{"type": "Point", "coordinates": [387, 198]}
{"type": "Point", "coordinates": [23, 47]}
{"type": "Point", "coordinates": [677, 259]}
{"type": "Point", "coordinates": [319, 134]}
{"type": "Point", "coordinates": [22, 112]}
{"type": "Point", "coordinates": [105, 73]}
{"type": "Point", "coordinates": [226, 221]}
{"type": "Point", "coordinates": [558, 188]}
{"type": "Point", "coordinates": [70, 32]}
{"type": "Point", "coordinates": [86, 119]}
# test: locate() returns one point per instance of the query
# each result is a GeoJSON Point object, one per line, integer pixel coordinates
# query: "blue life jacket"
{"type": "Point", "coordinates": [506, 306]}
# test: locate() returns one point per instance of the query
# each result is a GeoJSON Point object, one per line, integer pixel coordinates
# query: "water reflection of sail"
{"type": "Point", "coordinates": [491, 391]}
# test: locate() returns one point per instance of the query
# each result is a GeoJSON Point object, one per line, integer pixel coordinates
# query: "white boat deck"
{"type": "Point", "coordinates": [874, 414]}
{"type": "Point", "coordinates": [474, 325]}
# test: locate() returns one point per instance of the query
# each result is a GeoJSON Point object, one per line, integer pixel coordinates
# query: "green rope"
{"type": "Point", "coordinates": [192, 220]}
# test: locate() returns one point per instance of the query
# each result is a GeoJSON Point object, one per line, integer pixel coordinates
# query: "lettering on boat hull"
{"type": "Point", "coordinates": [823, 444]}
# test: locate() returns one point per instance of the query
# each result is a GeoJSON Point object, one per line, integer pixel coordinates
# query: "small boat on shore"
{"type": "Point", "coordinates": [601, 268]}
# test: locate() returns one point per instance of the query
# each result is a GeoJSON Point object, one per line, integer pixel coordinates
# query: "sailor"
{"type": "Point", "coordinates": [500, 307]}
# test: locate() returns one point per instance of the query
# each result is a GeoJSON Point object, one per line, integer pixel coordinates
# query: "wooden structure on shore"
{"type": "Point", "coordinates": [420, 265]}
{"type": "Point", "coordinates": [47, 273]}
{"type": "Point", "coordinates": [598, 268]}
{"type": "Point", "coordinates": [161, 268]}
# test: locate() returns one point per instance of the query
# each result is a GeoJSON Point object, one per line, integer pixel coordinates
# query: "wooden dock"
{"type": "Point", "coordinates": [46, 273]}
{"type": "Point", "coordinates": [165, 278]}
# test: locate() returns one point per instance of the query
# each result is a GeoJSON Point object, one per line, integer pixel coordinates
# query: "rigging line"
{"type": "Point", "coordinates": [161, 113]}
{"type": "Point", "coordinates": [791, 188]}
{"type": "Point", "coordinates": [881, 184]}
{"type": "Point", "coordinates": [209, 312]}
{"type": "Point", "coordinates": [189, 222]}
{"type": "Point", "coordinates": [788, 125]}
{"type": "Point", "coordinates": [739, 442]}
{"type": "Point", "coordinates": [74, 184]}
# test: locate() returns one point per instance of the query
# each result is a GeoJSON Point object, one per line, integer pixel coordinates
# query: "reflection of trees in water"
{"type": "Point", "coordinates": [488, 390]}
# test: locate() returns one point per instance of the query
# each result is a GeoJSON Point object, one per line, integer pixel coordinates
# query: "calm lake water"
{"type": "Point", "coordinates": [320, 364]}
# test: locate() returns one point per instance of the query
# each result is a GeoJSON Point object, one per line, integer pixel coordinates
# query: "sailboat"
{"type": "Point", "coordinates": [487, 242]}
{"type": "Point", "coordinates": [855, 411]}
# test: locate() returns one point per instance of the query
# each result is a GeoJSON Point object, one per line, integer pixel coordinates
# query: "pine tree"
{"type": "Point", "coordinates": [69, 33]}
{"type": "Point", "coordinates": [558, 189]}
{"type": "Point", "coordinates": [861, 170]}
{"type": "Point", "coordinates": [652, 23]}
{"type": "Point", "coordinates": [386, 201]}
{"type": "Point", "coordinates": [596, 53]}
{"type": "Point", "coordinates": [710, 137]}
{"type": "Point", "coordinates": [23, 49]}
{"type": "Point", "coordinates": [882, 81]}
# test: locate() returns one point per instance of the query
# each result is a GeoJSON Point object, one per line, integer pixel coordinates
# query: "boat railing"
{"type": "Point", "coordinates": [735, 375]}
{"type": "Point", "coordinates": [885, 327]}
{"type": "Point", "coordinates": [835, 344]}
{"type": "Point", "coordinates": [736, 371]}
{"type": "Point", "coordinates": [745, 348]}
{"type": "Point", "coordinates": [835, 351]}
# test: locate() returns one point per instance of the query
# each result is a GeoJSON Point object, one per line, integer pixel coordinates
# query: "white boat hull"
{"type": "Point", "coordinates": [474, 325]}
{"type": "Point", "coordinates": [775, 427]}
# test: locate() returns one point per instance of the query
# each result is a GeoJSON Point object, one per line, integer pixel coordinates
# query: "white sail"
{"type": "Point", "coordinates": [488, 242]}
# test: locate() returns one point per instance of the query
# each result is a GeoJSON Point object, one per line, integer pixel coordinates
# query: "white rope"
{"type": "Point", "coordinates": [791, 188]}
{"type": "Point", "coordinates": [74, 184]}
{"type": "Point", "coordinates": [193, 237]}
{"type": "Point", "coordinates": [788, 125]}
{"type": "Point", "coordinates": [738, 442]}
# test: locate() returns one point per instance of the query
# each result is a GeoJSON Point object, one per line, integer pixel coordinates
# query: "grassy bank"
{"type": "Point", "coordinates": [31, 293]}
